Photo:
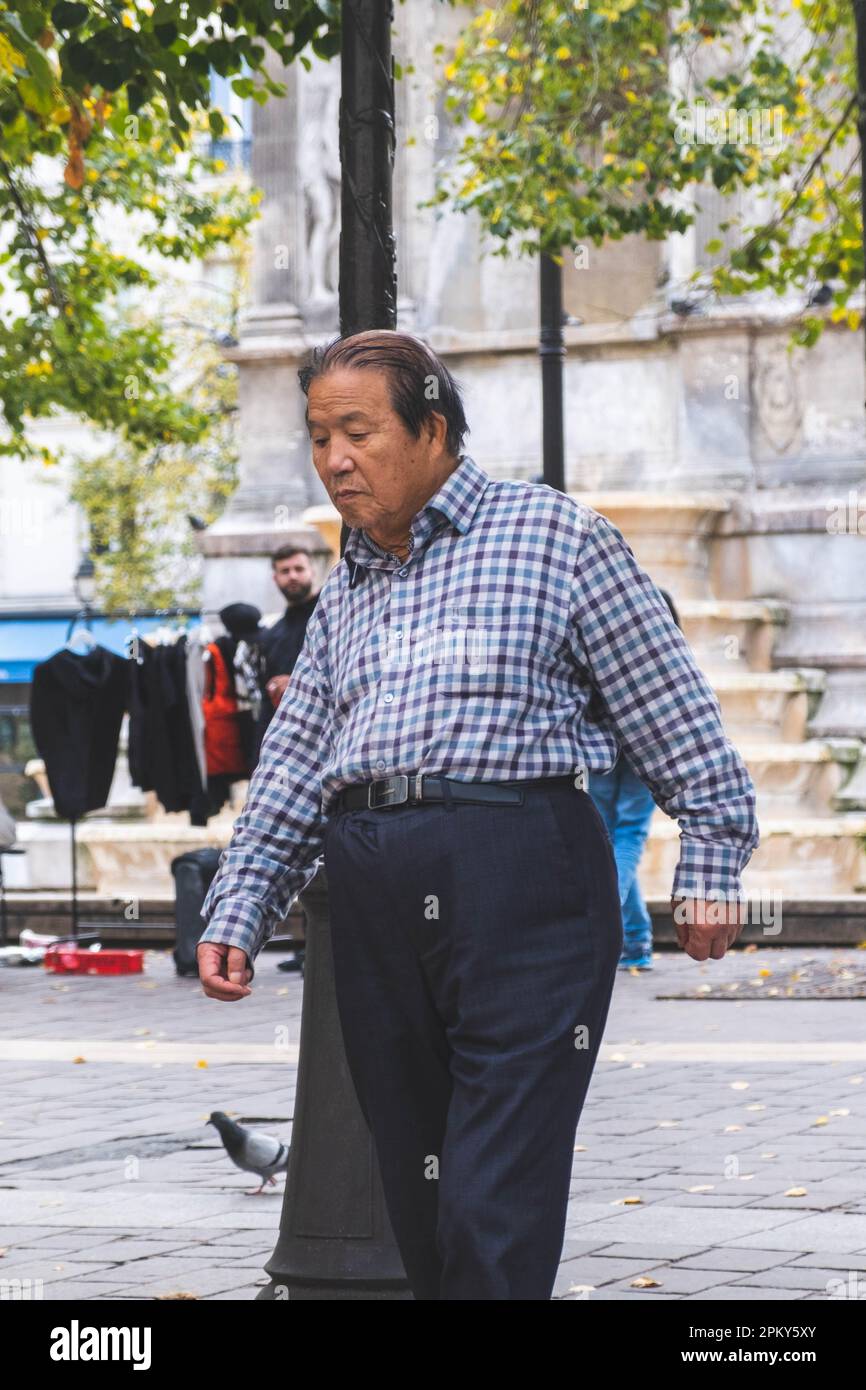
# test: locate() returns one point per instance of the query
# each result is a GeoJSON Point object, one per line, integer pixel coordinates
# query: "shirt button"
{"type": "Point", "coordinates": [389, 697]}
{"type": "Point", "coordinates": [403, 573]}
{"type": "Point", "coordinates": [381, 762]}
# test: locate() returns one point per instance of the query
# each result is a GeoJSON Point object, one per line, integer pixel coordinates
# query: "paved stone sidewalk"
{"type": "Point", "coordinates": [701, 1118]}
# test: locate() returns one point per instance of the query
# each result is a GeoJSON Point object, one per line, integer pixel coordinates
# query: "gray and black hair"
{"type": "Point", "coordinates": [420, 384]}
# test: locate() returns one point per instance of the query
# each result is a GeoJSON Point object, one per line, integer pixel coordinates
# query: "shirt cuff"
{"type": "Point", "coordinates": [241, 923]}
{"type": "Point", "coordinates": [709, 872]}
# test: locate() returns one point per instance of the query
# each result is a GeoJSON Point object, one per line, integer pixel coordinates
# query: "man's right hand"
{"type": "Point", "coordinates": [276, 688]}
{"type": "Point", "coordinates": [224, 971]}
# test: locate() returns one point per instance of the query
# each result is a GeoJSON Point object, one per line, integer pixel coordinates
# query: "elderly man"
{"type": "Point", "coordinates": [435, 743]}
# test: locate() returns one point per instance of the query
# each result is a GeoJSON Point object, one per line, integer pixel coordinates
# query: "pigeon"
{"type": "Point", "coordinates": [250, 1150]}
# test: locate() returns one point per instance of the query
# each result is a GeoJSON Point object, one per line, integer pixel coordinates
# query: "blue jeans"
{"type": "Point", "coordinates": [626, 806]}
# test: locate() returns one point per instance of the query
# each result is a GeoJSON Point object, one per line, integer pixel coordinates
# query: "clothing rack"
{"type": "Point", "coordinates": [132, 613]}
{"type": "Point", "coordinates": [88, 614]}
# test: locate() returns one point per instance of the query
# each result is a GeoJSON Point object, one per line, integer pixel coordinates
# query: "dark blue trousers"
{"type": "Point", "coordinates": [475, 951]}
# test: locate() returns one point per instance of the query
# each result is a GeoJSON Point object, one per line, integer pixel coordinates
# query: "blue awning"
{"type": "Point", "coordinates": [24, 642]}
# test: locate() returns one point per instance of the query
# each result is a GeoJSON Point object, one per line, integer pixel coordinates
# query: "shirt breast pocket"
{"type": "Point", "coordinates": [486, 646]}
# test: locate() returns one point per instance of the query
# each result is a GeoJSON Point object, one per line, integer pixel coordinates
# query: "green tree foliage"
{"type": "Point", "coordinates": [101, 109]}
{"type": "Point", "coordinates": [587, 121]}
{"type": "Point", "coordinates": [97, 102]}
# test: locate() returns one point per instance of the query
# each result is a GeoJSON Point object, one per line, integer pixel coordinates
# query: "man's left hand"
{"type": "Point", "coordinates": [705, 930]}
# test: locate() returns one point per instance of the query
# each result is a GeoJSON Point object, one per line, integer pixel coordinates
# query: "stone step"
{"type": "Point", "coordinates": [798, 857]}
{"type": "Point", "coordinates": [732, 634]}
{"type": "Point", "coordinates": [830, 919]}
{"type": "Point", "coordinates": [668, 533]}
{"type": "Point", "coordinates": [773, 706]}
{"type": "Point", "coordinates": [799, 779]}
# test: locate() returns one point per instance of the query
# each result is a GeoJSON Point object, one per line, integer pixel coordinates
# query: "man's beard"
{"type": "Point", "coordinates": [298, 594]}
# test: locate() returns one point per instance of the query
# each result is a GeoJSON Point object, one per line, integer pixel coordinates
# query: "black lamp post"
{"type": "Point", "coordinates": [368, 277]}
{"type": "Point", "coordinates": [551, 350]}
{"type": "Point", "coordinates": [336, 1241]}
{"type": "Point", "coordinates": [84, 585]}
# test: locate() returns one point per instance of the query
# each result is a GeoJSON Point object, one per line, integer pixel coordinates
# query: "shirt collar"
{"type": "Point", "coordinates": [456, 501]}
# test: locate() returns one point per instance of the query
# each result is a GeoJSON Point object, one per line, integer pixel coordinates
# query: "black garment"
{"type": "Point", "coordinates": [282, 647]}
{"type": "Point", "coordinates": [161, 749]}
{"type": "Point", "coordinates": [211, 799]}
{"type": "Point", "coordinates": [77, 702]}
{"type": "Point", "coordinates": [284, 640]}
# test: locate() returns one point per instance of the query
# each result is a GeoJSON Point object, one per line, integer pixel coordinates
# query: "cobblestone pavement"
{"type": "Point", "coordinates": [720, 1154]}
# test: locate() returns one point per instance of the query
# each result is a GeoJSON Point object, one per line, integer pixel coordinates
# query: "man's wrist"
{"type": "Point", "coordinates": [245, 941]}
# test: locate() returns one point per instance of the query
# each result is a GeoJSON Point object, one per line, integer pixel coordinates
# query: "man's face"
{"type": "Point", "coordinates": [294, 577]}
{"type": "Point", "coordinates": [376, 472]}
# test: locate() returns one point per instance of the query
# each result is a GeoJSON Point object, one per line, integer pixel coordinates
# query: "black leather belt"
{"type": "Point", "coordinates": [426, 787]}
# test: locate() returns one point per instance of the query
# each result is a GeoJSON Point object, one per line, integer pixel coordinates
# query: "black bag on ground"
{"type": "Point", "coordinates": [193, 873]}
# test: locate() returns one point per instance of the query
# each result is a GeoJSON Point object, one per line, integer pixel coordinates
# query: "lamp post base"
{"type": "Point", "coordinates": [335, 1239]}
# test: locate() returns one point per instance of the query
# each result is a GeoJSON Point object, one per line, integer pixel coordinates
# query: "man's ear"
{"type": "Point", "coordinates": [437, 429]}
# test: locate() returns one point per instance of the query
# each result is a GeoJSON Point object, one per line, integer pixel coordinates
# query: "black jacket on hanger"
{"type": "Point", "coordinates": [161, 749]}
{"type": "Point", "coordinates": [77, 702]}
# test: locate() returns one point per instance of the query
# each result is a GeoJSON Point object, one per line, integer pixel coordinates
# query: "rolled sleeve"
{"type": "Point", "coordinates": [664, 713]}
{"type": "Point", "coordinates": [277, 840]}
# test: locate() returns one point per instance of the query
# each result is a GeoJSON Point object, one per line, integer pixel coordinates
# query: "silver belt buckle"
{"type": "Point", "coordinates": [390, 791]}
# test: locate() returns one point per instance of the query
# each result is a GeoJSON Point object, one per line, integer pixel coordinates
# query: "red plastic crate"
{"type": "Point", "coordinates": [65, 959]}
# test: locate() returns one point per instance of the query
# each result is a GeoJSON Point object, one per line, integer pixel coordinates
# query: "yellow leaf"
{"type": "Point", "coordinates": [10, 58]}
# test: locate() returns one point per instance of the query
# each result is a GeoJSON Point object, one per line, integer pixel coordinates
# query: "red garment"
{"type": "Point", "coordinates": [222, 736]}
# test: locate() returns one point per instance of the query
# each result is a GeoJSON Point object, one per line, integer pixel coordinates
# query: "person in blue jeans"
{"type": "Point", "coordinates": [626, 806]}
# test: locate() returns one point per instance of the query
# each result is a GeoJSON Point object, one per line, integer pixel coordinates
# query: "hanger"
{"type": "Point", "coordinates": [81, 634]}
{"type": "Point", "coordinates": [133, 643]}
